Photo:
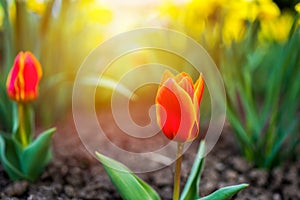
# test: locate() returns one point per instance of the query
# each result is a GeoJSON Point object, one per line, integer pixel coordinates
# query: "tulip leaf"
{"type": "Point", "coordinates": [239, 129]}
{"type": "Point", "coordinates": [6, 109]}
{"type": "Point", "coordinates": [191, 188]}
{"type": "Point", "coordinates": [225, 193]}
{"type": "Point", "coordinates": [9, 158]}
{"type": "Point", "coordinates": [15, 120]}
{"type": "Point", "coordinates": [127, 183]}
{"type": "Point", "coordinates": [37, 155]}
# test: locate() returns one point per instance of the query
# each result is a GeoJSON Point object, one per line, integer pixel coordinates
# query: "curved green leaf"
{"type": "Point", "coordinates": [225, 192]}
{"type": "Point", "coordinates": [9, 158]}
{"type": "Point", "coordinates": [6, 109]}
{"type": "Point", "coordinates": [37, 155]}
{"type": "Point", "coordinates": [191, 188]}
{"type": "Point", "coordinates": [127, 183]}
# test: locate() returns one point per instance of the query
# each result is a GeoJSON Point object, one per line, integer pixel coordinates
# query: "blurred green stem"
{"type": "Point", "coordinates": [8, 41]}
{"type": "Point", "coordinates": [22, 124]}
{"type": "Point", "coordinates": [177, 171]}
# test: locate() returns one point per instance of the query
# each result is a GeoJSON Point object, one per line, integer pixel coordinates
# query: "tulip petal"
{"type": "Point", "coordinates": [11, 79]}
{"type": "Point", "coordinates": [199, 88]}
{"type": "Point", "coordinates": [187, 84]}
{"type": "Point", "coordinates": [20, 82]}
{"type": "Point", "coordinates": [23, 79]}
{"type": "Point", "coordinates": [167, 74]}
{"type": "Point", "coordinates": [168, 111]}
{"type": "Point", "coordinates": [179, 108]}
{"type": "Point", "coordinates": [180, 76]}
{"type": "Point", "coordinates": [32, 75]}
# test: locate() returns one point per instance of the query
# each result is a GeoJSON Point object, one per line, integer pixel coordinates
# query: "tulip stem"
{"type": "Point", "coordinates": [177, 171]}
{"type": "Point", "coordinates": [22, 128]}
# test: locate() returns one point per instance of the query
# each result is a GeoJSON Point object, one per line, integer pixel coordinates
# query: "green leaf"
{"type": "Point", "coordinates": [191, 188]}
{"type": "Point", "coordinates": [9, 158]}
{"type": "Point", "coordinates": [127, 183]}
{"type": "Point", "coordinates": [225, 192]}
{"type": "Point", "coordinates": [6, 109]}
{"type": "Point", "coordinates": [239, 129]}
{"type": "Point", "coordinates": [37, 155]}
{"type": "Point", "coordinates": [25, 163]}
{"type": "Point", "coordinates": [15, 120]}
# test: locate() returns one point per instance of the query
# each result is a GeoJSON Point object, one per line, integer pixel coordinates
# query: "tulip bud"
{"type": "Point", "coordinates": [23, 78]}
{"type": "Point", "coordinates": [178, 101]}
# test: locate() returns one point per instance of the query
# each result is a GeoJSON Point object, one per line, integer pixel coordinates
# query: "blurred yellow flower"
{"type": "Point", "coordinates": [36, 6]}
{"type": "Point", "coordinates": [233, 28]}
{"type": "Point", "coordinates": [254, 9]}
{"type": "Point", "coordinates": [268, 10]}
{"type": "Point", "coordinates": [240, 11]}
{"type": "Point", "coordinates": [207, 9]}
{"type": "Point", "coordinates": [94, 11]}
{"type": "Point", "coordinates": [168, 8]}
{"type": "Point", "coordinates": [224, 21]}
{"type": "Point", "coordinates": [277, 29]}
{"type": "Point", "coordinates": [297, 7]}
{"type": "Point", "coordinates": [101, 15]}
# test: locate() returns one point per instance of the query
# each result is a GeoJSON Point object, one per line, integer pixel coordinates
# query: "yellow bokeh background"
{"type": "Point", "coordinates": [62, 33]}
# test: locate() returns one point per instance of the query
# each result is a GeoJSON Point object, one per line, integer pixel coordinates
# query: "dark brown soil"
{"type": "Point", "coordinates": [79, 178]}
{"type": "Point", "coordinates": [75, 174]}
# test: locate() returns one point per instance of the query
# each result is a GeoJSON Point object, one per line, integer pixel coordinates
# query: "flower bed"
{"type": "Point", "coordinates": [74, 174]}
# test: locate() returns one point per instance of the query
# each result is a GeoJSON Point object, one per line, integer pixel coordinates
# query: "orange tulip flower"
{"type": "Point", "coordinates": [178, 106]}
{"type": "Point", "coordinates": [23, 79]}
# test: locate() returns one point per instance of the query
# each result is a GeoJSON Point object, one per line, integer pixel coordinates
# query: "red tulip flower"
{"type": "Point", "coordinates": [23, 79]}
{"type": "Point", "coordinates": [178, 102]}
{"type": "Point", "coordinates": [22, 155]}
